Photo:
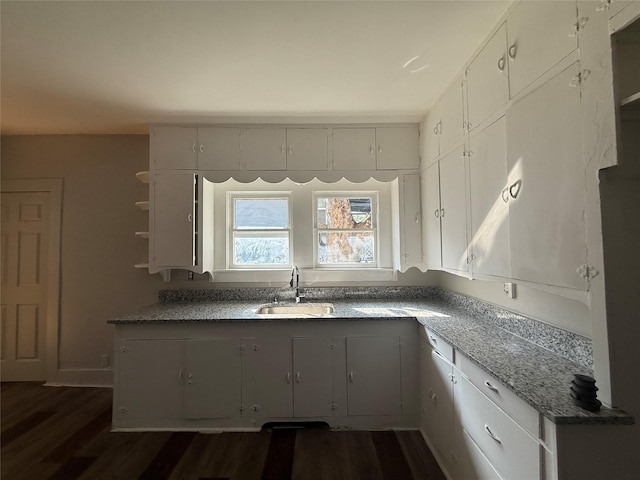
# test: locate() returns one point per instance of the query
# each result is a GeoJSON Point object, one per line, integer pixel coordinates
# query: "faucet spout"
{"type": "Point", "coordinates": [295, 282]}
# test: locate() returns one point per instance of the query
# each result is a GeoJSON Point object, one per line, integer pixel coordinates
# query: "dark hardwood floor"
{"type": "Point", "coordinates": [64, 433]}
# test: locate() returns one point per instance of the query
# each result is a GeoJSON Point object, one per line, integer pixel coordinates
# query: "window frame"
{"type": "Point", "coordinates": [231, 197]}
{"type": "Point", "coordinates": [375, 229]}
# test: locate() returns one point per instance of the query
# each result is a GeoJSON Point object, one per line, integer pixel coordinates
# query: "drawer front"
{"type": "Point", "coordinates": [509, 448]}
{"type": "Point", "coordinates": [527, 416]}
{"type": "Point", "coordinates": [446, 349]}
{"type": "Point", "coordinates": [475, 466]}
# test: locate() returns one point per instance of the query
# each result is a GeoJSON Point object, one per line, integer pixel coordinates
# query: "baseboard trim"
{"type": "Point", "coordinates": [86, 377]}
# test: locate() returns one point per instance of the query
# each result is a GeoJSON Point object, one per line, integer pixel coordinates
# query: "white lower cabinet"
{"type": "Point", "coordinates": [477, 427]}
{"type": "Point", "coordinates": [241, 375]}
{"type": "Point", "coordinates": [374, 381]}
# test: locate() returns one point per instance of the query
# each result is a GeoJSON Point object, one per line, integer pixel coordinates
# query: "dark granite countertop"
{"type": "Point", "coordinates": [539, 375]}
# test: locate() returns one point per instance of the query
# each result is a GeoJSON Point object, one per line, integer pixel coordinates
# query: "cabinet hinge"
{"type": "Point", "coordinates": [579, 79]}
{"type": "Point", "coordinates": [256, 347]}
{"type": "Point", "coordinates": [467, 153]}
{"type": "Point", "coordinates": [241, 348]}
{"type": "Point", "coordinates": [241, 407]}
{"type": "Point", "coordinates": [587, 271]}
{"type": "Point", "coordinates": [124, 349]}
{"type": "Point", "coordinates": [332, 346]}
{"type": "Point", "coordinates": [333, 405]}
{"type": "Point", "coordinates": [604, 5]}
{"type": "Point", "coordinates": [577, 27]}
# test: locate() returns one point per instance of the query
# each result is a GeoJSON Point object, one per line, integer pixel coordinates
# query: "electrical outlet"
{"type": "Point", "coordinates": [104, 361]}
{"type": "Point", "coordinates": [510, 289]}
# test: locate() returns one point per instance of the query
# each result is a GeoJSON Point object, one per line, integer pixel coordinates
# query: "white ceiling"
{"type": "Point", "coordinates": [116, 66]}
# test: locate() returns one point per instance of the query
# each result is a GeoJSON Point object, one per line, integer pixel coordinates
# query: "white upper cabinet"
{"type": "Point", "coordinates": [450, 113]}
{"type": "Point", "coordinates": [307, 149]}
{"type": "Point", "coordinates": [539, 35]}
{"type": "Point", "coordinates": [264, 148]}
{"type": "Point", "coordinates": [546, 184]}
{"type": "Point", "coordinates": [431, 215]}
{"type": "Point", "coordinates": [430, 139]}
{"type": "Point", "coordinates": [174, 148]}
{"type": "Point", "coordinates": [218, 148]}
{"type": "Point", "coordinates": [172, 239]}
{"type": "Point", "coordinates": [397, 148]}
{"type": "Point", "coordinates": [354, 148]}
{"type": "Point", "coordinates": [489, 201]}
{"type": "Point", "coordinates": [453, 211]}
{"type": "Point", "coordinates": [488, 79]}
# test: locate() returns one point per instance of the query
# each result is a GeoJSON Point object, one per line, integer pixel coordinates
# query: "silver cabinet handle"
{"type": "Point", "coordinates": [351, 377]}
{"type": "Point", "coordinates": [190, 378]}
{"type": "Point", "coordinates": [505, 194]}
{"type": "Point", "coordinates": [513, 49]}
{"type": "Point", "coordinates": [514, 189]}
{"type": "Point", "coordinates": [298, 377]}
{"type": "Point", "coordinates": [180, 376]}
{"type": "Point", "coordinates": [437, 213]}
{"type": "Point", "coordinates": [371, 149]}
{"type": "Point", "coordinates": [290, 149]}
{"type": "Point", "coordinates": [288, 377]}
{"type": "Point", "coordinates": [490, 387]}
{"type": "Point", "coordinates": [283, 149]}
{"type": "Point", "coordinates": [501, 63]}
{"type": "Point", "coordinates": [380, 148]}
{"type": "Point", "coordinates": [433, 339]}
{"type": "Point", "coordinates": [491, 434]}
{"type": "Point", "coordinates": [190, 218]}
{"type": "Point", "coordinates": [442, 212]}
{"type": "Point", "coordinates": [201, 148]}
{"type": "Point", "coordinates": [194, 147]}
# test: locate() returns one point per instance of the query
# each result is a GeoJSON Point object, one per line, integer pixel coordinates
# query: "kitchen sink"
{"type": "Point", "coordinates": [296, 309]}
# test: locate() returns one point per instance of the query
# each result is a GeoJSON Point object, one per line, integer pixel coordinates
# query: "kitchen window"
{"type": "Point", "coordinates": [260, 230]}
{"type": "Point", "coordinates": [346, 229]}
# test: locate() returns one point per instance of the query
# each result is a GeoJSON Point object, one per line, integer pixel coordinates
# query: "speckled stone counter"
{"type": "Point", "coordinates": [538, 371]}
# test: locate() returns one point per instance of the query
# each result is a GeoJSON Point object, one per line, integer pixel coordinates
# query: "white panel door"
{"type": "Point", "coordinates": [25, 224]}
{"type": "Point", "coordinates": [212, 378]}
{"type": "Point", "coordinates": [307, 149]}
{"type": "Point", "coordinates": [263, 148]}
{"type": "Point", "coordinates": [547, 185]}
{"type": "Point", "coordinates": [218, 148]}
{"type": "Point", "coordinates": [453, 211]}
{"type": "Point", "coordinates": [488, 79]}
{"type": "Point", "coordinates": [312, 377]}
{"type": "Point", "coordinates": [174, 148]}
{"type": "Point", "coordinates": [354, 148]}
{"type": "Point", "coordinates": [431, 210]}
{"type": "Point", "coordinates": [267, 381]}
{"type": "Point", "coordinates": [489, 201]}
{"type": "Point", "coordinates": [539, 35]}
{"type": "Point", "coordinates": [397, 148]}
{"type": "Point", "coordinates": [411, 222]}
{"type": "Point", "coordinates": [150, 379]}
{"type": "Point", "coordinates": [173, 239]}
{"type": "Point", "coordinates": [373, 376]}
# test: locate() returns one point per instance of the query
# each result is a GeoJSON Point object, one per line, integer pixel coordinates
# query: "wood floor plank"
{"type": "Point", "coordinates": [25, 425]}
{"type": "Point", "coordinates": [363, 459]}
{"type": "Point", "coordinates": [319, 454]}
{"type": "Point", "coordinates": [222, 460]}
{"type": "Point", "coordinates": [253, 451]}
{"type": "Point", "coordinates": [393, 464]}
{"type": "Point", "coordinates": [279, 462]}
{"type": "Point", "coordinates": [193, 463]}
{"type": "Point", "coordinates": [72, 468]}
{"type": "Point", "coordinates": [168, 456]}
{"type": "Point", "coordinates": [111, 448]}
{"type": "Point", "coordinates": [420, 459]}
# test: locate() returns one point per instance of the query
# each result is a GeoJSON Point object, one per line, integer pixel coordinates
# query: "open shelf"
{"type": "Point", "coordinates": [143, 176]}
{"type": "Point", "coordinates": [143, 205]}
{"type": "Point", "coordinates": [142, 234]}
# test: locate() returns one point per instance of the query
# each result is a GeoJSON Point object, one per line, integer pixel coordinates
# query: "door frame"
{"type": "Point", "coordinates": [53, 186]}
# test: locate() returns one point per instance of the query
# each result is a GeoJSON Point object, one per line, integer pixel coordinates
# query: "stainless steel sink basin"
{"type": "Point", "coordinates": [296, 309]}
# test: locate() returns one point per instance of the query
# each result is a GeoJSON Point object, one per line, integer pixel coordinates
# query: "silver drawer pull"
{"type": "Point", "coordinates": [490, 387]}
{"type": "Point", "coordinates": [490, 433]}
{"type": "Point", "coordinates": [433, 339]}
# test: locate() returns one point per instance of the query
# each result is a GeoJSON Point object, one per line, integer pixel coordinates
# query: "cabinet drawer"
{"type": "Point", "coordinates": [509, 448]}
{"type": "Point", "coordinates": [527, 416]}
{"type": "Point", "coordinates": [475, 465]}
{"type": "Point", "coordinates": [444, 348]}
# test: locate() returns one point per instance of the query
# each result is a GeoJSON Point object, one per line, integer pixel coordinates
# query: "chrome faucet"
{"type": "Point", "coordinates": [295, 282]}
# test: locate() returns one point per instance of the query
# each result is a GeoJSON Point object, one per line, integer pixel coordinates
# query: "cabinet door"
{"type": "Point", "coordinates": [451, 117]}
{"type": "Point", "coordinates": [354, 148]}
{"type": "Point", "coordinates": [430, 138]}
{"type": "Point", "coordinates": [438, 407]}
{"type": "Point", "coordinates": [307, 149]}
{"type": "Point", "coordinates": [267, 382]}
{"type": "Point", "coordinates": [313, 377]}
{"type": "Point", "coordinates": [174, 148]}
{"type": "Point", "coordinates": [264, 148]}
{"type": "Point", "coordinates": [397, 148]}
{"type": "Point", "coordinates": [212, 376]}
{"type": "Point", "coordinates": [173, 235]}
{"type": "Point", "coordinates": [218, 148]}
{"type": "Point", "coordinates": [539, 36]}
{"type": "Point", "coordinates": [453, 213]}
{"type": "Point", "coordinates": [149, 380]}
{"type": "Point", "coordinates": [489, 201]}
{"type": "Point", "coordinates": [547, 185]}
{"type": "Point", "coordinates": [431, 210]}
{"type": "Point", "coordinates": [410, 222]}
{"type": "Point", "coordinates": [488, 79]}
{"type": "Point", "coordinates": [373, 376]}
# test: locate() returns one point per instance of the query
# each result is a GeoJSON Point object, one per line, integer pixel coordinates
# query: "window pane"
{"type": "Point", "coordinates": [346, 247]}
{"type": "Point", "coordinates": [261, 213]}
{"type": "Point", "coordinates": [343, 212]}
{"type": "Point", "coordinates": [260, 248]}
